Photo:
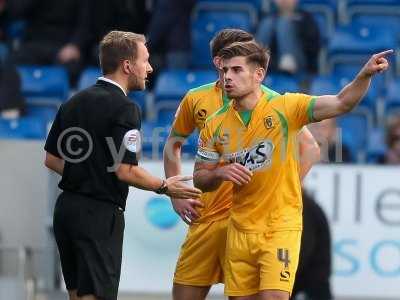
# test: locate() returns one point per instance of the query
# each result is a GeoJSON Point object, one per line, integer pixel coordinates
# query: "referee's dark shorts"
{"type": "Point", "coordinates": [89, 235]}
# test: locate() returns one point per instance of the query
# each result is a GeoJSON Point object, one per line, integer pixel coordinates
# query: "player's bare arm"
{"type": "Point", "coordinates": [330, 106]}
{"type": "Point", "coordinates": [209, 176]}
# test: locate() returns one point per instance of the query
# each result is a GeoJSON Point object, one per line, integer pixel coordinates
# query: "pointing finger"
{"type": "Point", "coordinates": [384, 53]}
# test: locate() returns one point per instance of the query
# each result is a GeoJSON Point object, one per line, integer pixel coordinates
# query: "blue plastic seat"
{"type": "Point", "coordinates": [282, 83]}
{"type": "Point", "coordinates": [154, 136]}
{"type": "Point", "coordinates": [88, 77]}
{"type": "Point", "coordinates": [376, 148]}
{"type": "Point", "coordinates": [166, 115]}
{"type": "Point", "coordinates": [361, 39]}
{"type": "Point", "coordinates": [172, 85]}
{"type": "Point", "coordinates": [392, 104]}
{"type": "Point", "coordinates": [47, 82]}
{"type": "Point", "coordinates": [373, 7]}
{"type": "Point", "coordinates": [45, 113]}
{"type": "Point", "coordinates": [29, 127]}
{"type": "Point", "coordinates": [356, 128]}
{"type": "Point", "coordinates": [205, 25]}
{"type": "Point", "coordinates": [140, 98]}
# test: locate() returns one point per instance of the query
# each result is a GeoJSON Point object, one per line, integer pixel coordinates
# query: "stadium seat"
{"type": "Point", "coordinates": [282, 83]}
{"type": "Point", "coordinates": [154, 136]}
{"type": "Point", "coordinates": [44, 82]}
{"type": "Point", "coordinates": [370, 7]}
{"type": "Point", "coordinates": [355, 43]}
{"type": "Point", "coordinates": [45, 113]}
{"type": "Point", "coordinates": [88, 77]}
{"type": "Point", "coordinates": [376, 147]}
{"type": "Point", "coordinates": [172, 85]}
{"type": "Point", "coordinates": [356, 128]}
{"type": "Point", "coordinates": [140, 98]}
{"type": "Point", "coordinates": [360, 38]}
{"type": "Point", "coordinates": [166, 115]}
{"type": "Point", "coordinates": [204, 26]}
{"type": "Point", "coordinates": [392, 104]}
{"type": "Point", "coordinates": [29, 127]}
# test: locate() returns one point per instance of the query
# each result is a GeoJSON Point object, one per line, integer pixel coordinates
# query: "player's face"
{"type": "Point", "coordinates": [140, 69]}
{"type": "Point", "coordinates": [240, 77]}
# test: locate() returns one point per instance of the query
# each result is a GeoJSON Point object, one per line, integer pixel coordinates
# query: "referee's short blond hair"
{"type": "Point", "coordinates": [117, 46]}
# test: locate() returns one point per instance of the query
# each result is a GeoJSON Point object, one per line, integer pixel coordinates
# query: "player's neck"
{"type": "Point", "coordinates": [121, 80]}
{"type": "Point", "coordinates": [249, 101]}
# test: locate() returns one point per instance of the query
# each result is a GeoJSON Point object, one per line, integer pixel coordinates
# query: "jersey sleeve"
{"type": "Point", "coordinates": [300, 109]}
{"type": "Point", "coordinates": [126, 133]}
{"type": "Point", "coordinates": [184, 123]}
{"type": "Point", "coordinates": [206, 147]}
{"type": "Point", "coordinates": [51, 144]}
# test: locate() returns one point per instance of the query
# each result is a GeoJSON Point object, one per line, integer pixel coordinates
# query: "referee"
{"type": "Point", "coordinates": [94, 145]}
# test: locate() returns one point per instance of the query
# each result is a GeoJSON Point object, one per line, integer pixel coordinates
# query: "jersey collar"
{"type": "Point", "coordinates": [112, 82]}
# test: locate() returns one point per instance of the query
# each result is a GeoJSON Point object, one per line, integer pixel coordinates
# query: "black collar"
{"type": "Point", "coordinates": [111, 86]}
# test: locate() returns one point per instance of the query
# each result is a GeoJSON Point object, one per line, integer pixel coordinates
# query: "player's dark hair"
{"type": "Point", "coordinates": [253, 51]}
{"type": "Point", "coordinates": [226, 37]}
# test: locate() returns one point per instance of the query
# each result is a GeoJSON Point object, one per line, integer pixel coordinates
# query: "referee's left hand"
{"type": "Point", "coordinates": [177, 188]}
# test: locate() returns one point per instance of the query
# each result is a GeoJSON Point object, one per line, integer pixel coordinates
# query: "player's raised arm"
{"type": "Point", "coordinates": [330, 106]}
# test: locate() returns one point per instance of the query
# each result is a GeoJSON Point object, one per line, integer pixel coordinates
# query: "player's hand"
{"type": "Point", "coordinates": [186, 209]}
{"type": "Point", "coordinates": [235, 173]}
{"type": "Point", "coordinates": [376, 64]}
{"type": "Point", "coordinates": [177, 188]}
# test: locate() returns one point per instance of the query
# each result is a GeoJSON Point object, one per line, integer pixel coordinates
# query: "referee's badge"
{"type": "Point", "coordinates": [132, 141]}
{"type": "Point", "coordinates": [269, 122]}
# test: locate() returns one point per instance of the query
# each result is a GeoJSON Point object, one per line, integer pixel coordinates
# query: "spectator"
{"type": "Point", "coordinates": [169, 31]}
{"type": "Point", "coordinates": [315, 265]}
{"type": "Point", "coordinates": [57, 32]}
{"type": "Point", "coordinates": [293, 38]}
{"type": "Point", "coordinates": [392, 155]}
{"type": "Point", "coordinates": [332, 149]}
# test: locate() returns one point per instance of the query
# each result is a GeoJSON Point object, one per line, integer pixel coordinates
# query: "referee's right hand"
{"type": "Point", "coordinates": [177, 188]}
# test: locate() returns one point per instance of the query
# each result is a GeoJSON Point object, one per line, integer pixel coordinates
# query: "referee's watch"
{"type": "Point", "coordinates": [163, 189]}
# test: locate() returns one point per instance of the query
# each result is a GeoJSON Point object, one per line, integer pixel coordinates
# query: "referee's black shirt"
{"type": "Point", "coordinates": [88, 132]}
